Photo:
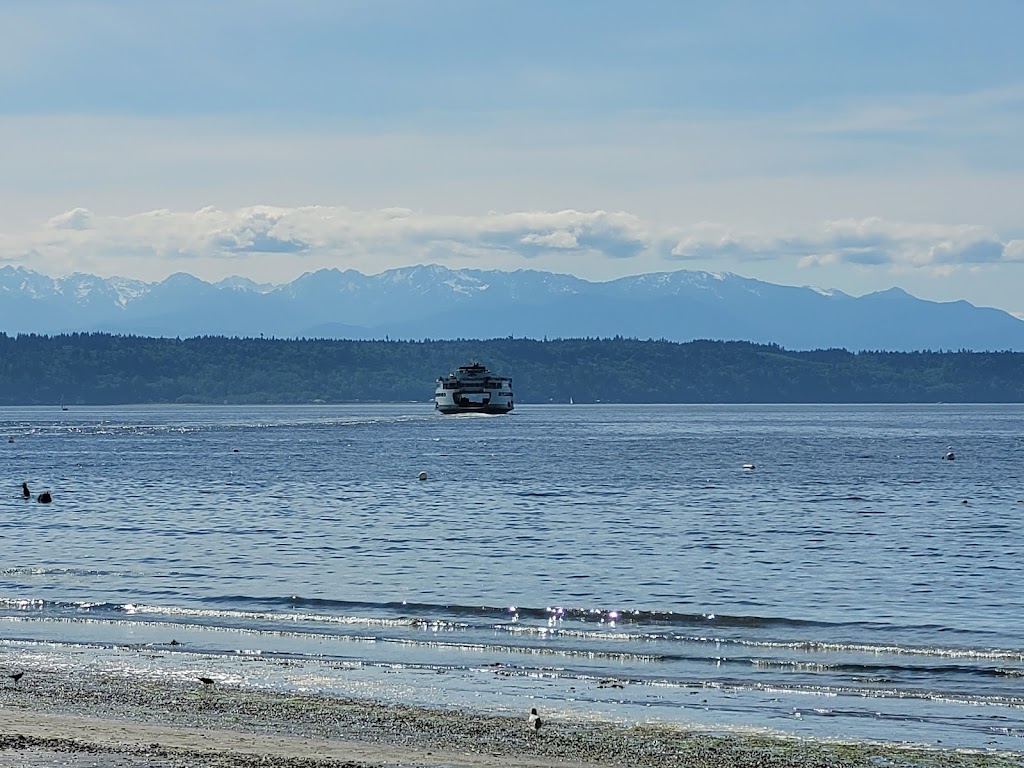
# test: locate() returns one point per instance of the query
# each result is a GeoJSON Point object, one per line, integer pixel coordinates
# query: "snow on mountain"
{"type": "Point", "coordinates": [245, 284]}
{"type": "Point", "coordinates": [25, 283]}
{"type": "Point", "coordinates": [829, 292]}
{"type": "Point", "coordinates": [433, 301]}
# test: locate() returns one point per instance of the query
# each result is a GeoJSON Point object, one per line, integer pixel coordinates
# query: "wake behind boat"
{"type": "Point", "coordinates": [473, 389]}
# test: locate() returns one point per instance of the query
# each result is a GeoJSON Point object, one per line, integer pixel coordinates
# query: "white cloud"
{"type": "Point", "coordinates": [560, 239]}
{"type": "Point", "coordinates": [78, 218]}
{"type": "Point", "coordinates": [869, 242]}
{"type": "Point", "coordinates": [213, 242]}
{"type": "Point", "coordinates": [1014, 250]}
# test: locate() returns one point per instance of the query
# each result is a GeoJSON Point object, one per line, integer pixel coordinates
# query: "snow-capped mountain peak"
{"type": "Point", "coordinates": [434, 301]}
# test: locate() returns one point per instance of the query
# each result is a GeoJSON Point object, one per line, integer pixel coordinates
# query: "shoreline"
{"type": "Point", "coordinates": [143, 723]}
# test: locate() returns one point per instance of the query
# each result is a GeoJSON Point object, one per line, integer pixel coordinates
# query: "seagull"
{"type": "Point", "coordinates": [534, 720]}
{"type": "Point", "coordinates": [25, 492]}
{"type": "Point", "coordinates": [16, 677]}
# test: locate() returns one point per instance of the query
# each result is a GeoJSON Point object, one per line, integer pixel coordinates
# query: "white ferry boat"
{"type": "Point", "coordinates": [473, 389]}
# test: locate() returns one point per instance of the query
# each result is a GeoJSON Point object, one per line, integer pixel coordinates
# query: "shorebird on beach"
{"type": "Point", "coordinates": [206, 681]}
{"type": "Point", "coordinates": [534, 720]}
{"type": "Point", "coordinates": [16, 677]}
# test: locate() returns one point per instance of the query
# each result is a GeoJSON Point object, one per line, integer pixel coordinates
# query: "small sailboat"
{"type": "Point", "coordinates": [62, 406]}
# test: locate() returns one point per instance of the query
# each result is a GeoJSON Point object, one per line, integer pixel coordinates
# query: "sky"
{"type": "Point", "coordinates": [855, 145]}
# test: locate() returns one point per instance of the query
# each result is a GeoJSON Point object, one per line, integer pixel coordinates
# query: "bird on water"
{"type": "Point", "coordinates": [534, 720]}
{"type": "Point", "coordinates": [25, 492]}
{"type": "Point", "coordinates": [44, 497]}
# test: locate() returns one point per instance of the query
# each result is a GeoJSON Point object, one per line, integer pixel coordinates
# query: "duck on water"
{"type": "Point", "coordinates": [42, 498]}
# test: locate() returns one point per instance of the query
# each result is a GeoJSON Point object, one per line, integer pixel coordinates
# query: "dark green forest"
{"type": "Point", "coordinates": [100, 369]}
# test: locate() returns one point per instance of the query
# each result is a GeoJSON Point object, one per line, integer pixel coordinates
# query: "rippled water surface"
{"type": "Point", "coordinates": [601, 561]}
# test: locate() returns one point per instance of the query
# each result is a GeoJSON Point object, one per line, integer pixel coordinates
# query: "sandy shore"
{"type": "Point", "coordinates": [50, 719]}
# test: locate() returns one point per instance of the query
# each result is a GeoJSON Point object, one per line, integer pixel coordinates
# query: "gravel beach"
{"type": "Point", "coordinates": [51, 719]}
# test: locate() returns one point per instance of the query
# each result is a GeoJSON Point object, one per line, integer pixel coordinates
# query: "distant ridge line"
{"type": "Point", "coordinates": [435, 302]}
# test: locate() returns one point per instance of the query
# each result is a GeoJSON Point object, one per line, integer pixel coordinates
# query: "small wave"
{"type": "Point", "coordinates": [55, 571]}
{"type": "Point", "coordinates": [23, 603]}
{"type": "Point", "coordinates": [399, 641]}
{"type": "Point", "coordinates": [882, 672]}
{"type": "Point", "coordinates": [794, 645]}
{"type": "Point", "coordinates": [824, 646]}
{"type": "Point", "coordinates": [600, 615]}
{"type": "Point", "coordinates": [607, 625]}
{"type": "Point", "coordinates": [213, 613]}
{"type": "Point", "coordinates": [120, 624]}
{"type": "Point", "coordinates": [280, 617]}
{"type": "Point", "coordinates": [528, 650]}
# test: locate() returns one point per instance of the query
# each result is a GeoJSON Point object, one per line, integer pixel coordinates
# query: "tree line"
{"type": "Point", "coordinates": [104, 369]}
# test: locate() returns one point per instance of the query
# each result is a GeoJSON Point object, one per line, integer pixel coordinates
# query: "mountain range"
{"type": "Point", "coordinates": [434, 302]}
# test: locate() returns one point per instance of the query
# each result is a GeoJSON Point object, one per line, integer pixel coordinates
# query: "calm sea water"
{"type": "Point", "coordinates": [612, 562]}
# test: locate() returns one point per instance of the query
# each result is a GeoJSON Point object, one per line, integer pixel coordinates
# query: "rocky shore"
{"type": "Point", "coordinates": [78, 719]}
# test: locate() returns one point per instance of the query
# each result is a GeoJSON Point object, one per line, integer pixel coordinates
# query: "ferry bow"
{"type": "Point", "coordinates": [473, 389]}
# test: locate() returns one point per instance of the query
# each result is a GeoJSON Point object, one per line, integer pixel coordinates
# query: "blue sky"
{"type": "Point", "coordinates": [850, 145]}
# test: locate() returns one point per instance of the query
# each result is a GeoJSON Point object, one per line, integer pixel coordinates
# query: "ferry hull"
{"type": "Point", "coordinates": [492, 409]}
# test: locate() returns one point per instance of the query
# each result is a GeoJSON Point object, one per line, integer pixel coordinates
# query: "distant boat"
{"type": "Point", "coordinates": [570, 401]}
{"type": "Point", "coordinates": [62, 406]}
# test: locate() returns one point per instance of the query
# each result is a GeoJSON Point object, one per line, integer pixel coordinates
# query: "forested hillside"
{"type": "Point", "coordinates": [102, 369]}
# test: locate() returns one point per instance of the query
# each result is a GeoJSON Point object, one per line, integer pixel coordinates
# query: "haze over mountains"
{"type": "Point", "coordinates": [439, 303]}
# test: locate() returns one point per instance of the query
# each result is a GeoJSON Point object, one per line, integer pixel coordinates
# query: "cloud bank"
{"type": "Point", "coordinates": [215, 241]}
{"type": "Point", "coordinates": [871, 242]}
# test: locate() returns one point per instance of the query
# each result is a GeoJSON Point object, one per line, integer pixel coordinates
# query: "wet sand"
{"type": "Point", "coordinates": [50, 719]}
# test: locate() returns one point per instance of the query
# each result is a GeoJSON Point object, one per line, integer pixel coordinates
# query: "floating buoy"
{"type": "Point", "coordinates": [422, 475]}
